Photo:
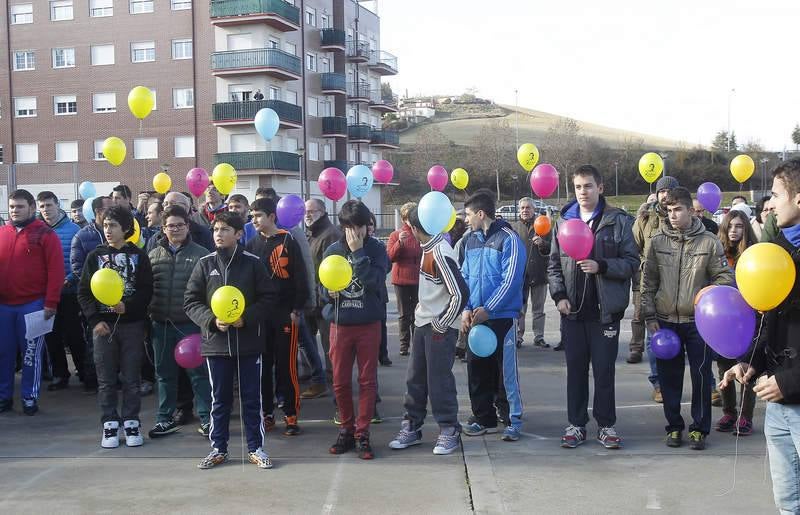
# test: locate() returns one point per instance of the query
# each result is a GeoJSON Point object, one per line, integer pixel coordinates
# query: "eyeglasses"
{"type": "Point", "coordinates": [314, 211]}
{"type": "Point", "coordinates": [175, 227]}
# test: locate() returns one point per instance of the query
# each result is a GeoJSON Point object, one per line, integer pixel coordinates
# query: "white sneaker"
{"type": "Point", "coordinates": [110, 435]}
{"type": "Point", "coordinates": [133, 438]}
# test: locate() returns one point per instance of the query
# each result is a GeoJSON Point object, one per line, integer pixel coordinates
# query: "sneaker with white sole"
{"type": "Point", "coordinates": [110, 438]}
{"type": "Point", "coordinates": [133, 438]}
{"type": "Point", "coordinates": [448, 442]}
{"type": "Point", "coordinates": [478, 429]}
{"type": "Point", "coordinates": [573, 437]}
{"type": "Point", "coordinates": [608, 438]}
{"type": "Point", "coordinates": [260, 458]}
{"type": "Point", "coordinates": [405, 438]}
{"type": "Point", "coordinates": [214, 458]}
{"type": "Point", "coordinates": [511, 434]}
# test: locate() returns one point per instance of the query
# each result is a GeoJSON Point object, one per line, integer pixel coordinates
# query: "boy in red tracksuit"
{"type": "Point", "coordinates": [405, 253]}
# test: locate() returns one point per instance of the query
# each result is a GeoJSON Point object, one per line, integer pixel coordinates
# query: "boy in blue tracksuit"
{"type": "Point", "coordinates": [494, 267]}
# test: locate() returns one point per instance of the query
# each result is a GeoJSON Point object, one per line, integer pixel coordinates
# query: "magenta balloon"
{"type": "Point", "coordinates": [710, 196]}
{"type": "Point", "coordinates": [382, 171]}
{"type": "Point", "coordinates": [437, 177]}
{"type": "Point", "coordinates": [187, 351]}
{"type": "Point", "coordinates": [332, 183]}
{"type": "Point", "coordinates": [544, 180]}
{"type": "Point", "coordinates": [576, 239]}
{"type": "Point", "coordinates": [197, 181]}
{"type": "Point", "coordinates": [665, 344]}
{"type": "Point", "coordinates": [290, 211]}
{"type": "Point", "coordinates": [725, 321]}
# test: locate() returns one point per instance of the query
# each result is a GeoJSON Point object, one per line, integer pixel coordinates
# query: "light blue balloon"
{"type": "Point", "coordinates": [267, 123]}
{"type": "Point", "coordinates": [87, 189]}
{"type": "Point", "coordinates": [359, 180]}
{"type": "Point", "coordinates": [434, 211]}
{"type": "Point", "coordinates": [88, 212]}
{"type": "Point", "coordinates": [482, 341]}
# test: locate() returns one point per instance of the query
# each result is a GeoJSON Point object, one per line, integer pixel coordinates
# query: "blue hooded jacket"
{"type": "Point", "coordinates": [494, 269]}
{"type": "Point", "coordinates": [65, 229]}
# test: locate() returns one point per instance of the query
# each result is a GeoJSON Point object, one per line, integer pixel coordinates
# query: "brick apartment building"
{"type": "Point", "coordinates": [69, 64]}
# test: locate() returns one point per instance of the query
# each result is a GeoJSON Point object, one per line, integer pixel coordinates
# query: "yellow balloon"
{"type": "Point", "coordinates": [335, 273]}
{"type": "Point", "coordinates": [107, 286]}
{"type": "Point", "coordinates": [765, 275]}
{"type": "Point", "coordinates": [460, 178]}
{"type": "Point", "coordinates": [650, 166]}
{"type": "Point", "coordinates": [114, 150]}
{"type": "Point", "coordinates": [742, 167]}
{"type": "Point", "coordinates": [141, 101]}
{"type": "Point", "coordinates": [137, 233]}
{"type": "Point", "coordinates": [528, 156]}
{"type": "Point", "coordinates": [451, 223]}
{"type": "Point", "coordinates": [227, 304]}
{"type": "Point", "coordinates": [224, 178]}
{"type": "Point", "coordinates": [162, 182]}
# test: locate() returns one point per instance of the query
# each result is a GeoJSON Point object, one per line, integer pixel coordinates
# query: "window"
{"type": "Point", "coordinates": [102, 54]}
{"type": "Point", "coordinates": [143, 52]}
{"type": "Point", "coordinates": [181, 49]}
{"type": "Point", "coordinates": [65, 104]}
{"type": "Point", "coordinates": [324, 108]}
{"type": "Point", "coordinates": [184, 146]}
{"type": "Point", "coordinates": [98, 150]}
{"type": "Point", "coordinates": [21, 13]}
{"type": "Point", "coordinates": [24, 60]}
{"type": "Point", "coordinates": [290, 48]}
{"type": "Point", "coordinates": [66, 151]}
{"type": "Point", "coordinates": [326, 152]}
{"type": "Point", "coordinates": [246, 142]}
{"type": "Point", "coordinates": [313, 151]}
{"type": "Point", "coordinates": [312, 106]}
{"type": "Point", "coordinates": [274, 93]}
{"type": "Point", "coordinates": [24, 107]}
{"type": "Point", "coordinates": [104, 102]}
{"type": "Point", "coordinates": [324, 65]}
{"type": "Point", "coordinates": [374, 121]}
{"type": "Point", "coordinates": [291, 145]}
{"type": "Point", "coordinates": [145, 148]}
{"type": "Point", "coordinates": [155, 102]}
{"type": "Point", "coordinates": [100, 8]}
{"type": "Point", "coordinates": [141, 6]}
{"type": "Point", "coordinates": [61, 10]}
{"type": "Point", "coordinates": [311, 16]}
{"type": "Point", "coordinates": [183, 98]}
{"type": "Point", "coordinates": [273, 43]}
{"type": "Point", "coordinates": [1, 154]}
{"type": "Point", "coordinates": [27, 152]}
{"type": "Point", "coordinates": [63, 58]}
{"type": "Point", "coordinates": [180, 5]}
{"type": "Point", "coordinates": [311, 62]}
{"type": "Point", "coordinates": [324, 21]}
{"type": "Point", "coordinates": [290, 96]}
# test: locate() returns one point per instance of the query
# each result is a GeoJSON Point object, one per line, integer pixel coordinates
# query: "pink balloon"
{"type": "Point", "coordinates": [187, 351]}
{"type": "Point", "coordinates": [197, 181]}
{"type": "Point", "coordinates": [544, 180]}
{"type": "Point", "coordinates": [576, 239]}
{"type": "Point", "coordinates": [437, 177]}
{"type": "Point", "coordinates": [383, 171]}
{"type": "Point", "coordinates": [332, 183]}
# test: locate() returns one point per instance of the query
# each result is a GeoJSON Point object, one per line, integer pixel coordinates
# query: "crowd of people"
{"type": "Point", "coordinates": [484, 271]}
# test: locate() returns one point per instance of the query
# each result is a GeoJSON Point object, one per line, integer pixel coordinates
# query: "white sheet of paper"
{"type": "Point", "coordinates": [36, 325]}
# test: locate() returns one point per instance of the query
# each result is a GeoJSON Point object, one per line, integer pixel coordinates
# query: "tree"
{"type": "Point", "coordinates": [563, 146]}
{"type": "Point", "coordinates": [720, 143]}
{"type": "Point", "coordinates": [796, 136]}
{"type": "Point", "coordinates": [492, 154]}
{"type": "Point", "coordinates": [386, 91]}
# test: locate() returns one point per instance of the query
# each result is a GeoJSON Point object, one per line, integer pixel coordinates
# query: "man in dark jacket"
{"type": "Point", "coordinates": [776, 357]}
{"type": "Point", "coordinates": [286, 270]}
{"type": "Point", "coordinates": [236, 347]}
{"type": "Point", "coordinates": [592, 295]}
{"type": "Point", "coordinates": [405, 253]}
{"type": "Point", "coordinates": [537, 249]}
{"type": "Point", "coordinates": [200, 234]}
{"type": "Point", "coordinates": [173, 261]}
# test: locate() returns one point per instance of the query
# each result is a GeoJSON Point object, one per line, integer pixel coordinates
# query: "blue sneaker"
{"type": "Point", "coordinates": [406, 437]}
{"type": "Point", "coordinates": [511, 434]}
{"type": "Point", "coordinates": [447, 442]}
{"type": "Point", "coordinates": [477, 429]}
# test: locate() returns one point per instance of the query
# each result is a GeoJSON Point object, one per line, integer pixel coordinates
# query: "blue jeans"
{"type": "Point", "coordinates": [651, 358]}
{"type": "Point", "coordinates": [782, 430]}
{"type": "Point", "coordinates": [308, 344]}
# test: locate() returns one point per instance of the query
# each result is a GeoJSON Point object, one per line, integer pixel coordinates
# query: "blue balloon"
{"type": "Point", "coordinates": [87, 189]}
{"type": "Point", "coordinates": [434, 211]}
{"type": "Point", "coordinates": [88, 212]}
{"type": "Point", "coordinates": [665, 344]}
{"type": "Point", "coordinates": [267, 123]}
{"type": "Point", "coordinates": [359, 180]}
{"type": "Point", "coordinates": [482, 341]}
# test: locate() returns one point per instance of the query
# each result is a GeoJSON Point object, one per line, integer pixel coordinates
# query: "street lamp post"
{"type": "Point", "coordinates": [616, 178]}
{"type": "Point", "coordinates": [730, 94]}
{"type": "Point", "coordinates": [516, 214]}
{"type": "Point", "coordinates": [764, 161]}
{"type": "Point", "coordinates": [304, 194]}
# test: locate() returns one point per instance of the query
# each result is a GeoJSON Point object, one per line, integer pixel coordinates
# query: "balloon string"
{"type": "Point", "coordinates": [114, 328]}
{"type": "Point", "coordinates": [583, 297]}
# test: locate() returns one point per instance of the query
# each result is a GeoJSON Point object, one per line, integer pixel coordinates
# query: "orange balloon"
{"type": "Point", "coordinates": [701, 293]}
{"type": "Point", "coordinates": [541, 225]}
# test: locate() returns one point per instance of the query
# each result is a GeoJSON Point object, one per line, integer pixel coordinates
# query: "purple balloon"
{"type": "Point", "coordinates": [290, 211]}
{"type": "Point", "coordinates": [710, 196]}
{"type": "Point", "coordinates": [725, 321]}
{"type": "Point", "coordinates": [665, 344]}
{"type": "Point", "coordinates": [187, 351]}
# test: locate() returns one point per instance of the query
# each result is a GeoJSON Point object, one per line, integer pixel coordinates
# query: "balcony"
{"type": "Point", "coordinates": [272, 61]}
{"type": "Point", "coordinates": [332, 39]}
{"type": "Point", "coordinates": [378, 102]}
{"type": "Point", "coordinates": [382, 138]}
{"type": "Point", "coordinates": [360, 133]}
{"type": "Point", "coordinates": [333, 83]}
{"type": "Point", "coordinates": [334, 127]}
{"type": "Point", "coordinates": [383, 63]}
{"type": "Point", "coordinates": [243, 113]}
{"type": "Point", "coordinates": [341, 164]}
{"type": "Point", "coordinates": [260, 160]}
{"type": "Point", "coordinates": [277, 14]}
{"type": "Point", "coordinates": [357, 51]}
{"type": "Point", "coordinates": [358, 92]}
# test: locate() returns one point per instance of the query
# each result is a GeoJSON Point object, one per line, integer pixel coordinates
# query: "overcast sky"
{"type": "Point", "coordinates": [659, 67]}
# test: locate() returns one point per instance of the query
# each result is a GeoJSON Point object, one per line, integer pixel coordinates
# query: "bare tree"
{"type": "Point", "coordinates": [563, 147]}
{"type": "Point", "coordinates": [493, 151]}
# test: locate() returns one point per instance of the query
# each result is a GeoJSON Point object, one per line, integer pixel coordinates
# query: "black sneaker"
{"type": "Point", "coordinates": [404, 352]}
{"type": "Point", "coordinates": [59, 383]}
{"type": "Point", "coordinates": [30, 407]}
{"type": "Point", "coordinates": [674, 439]}
{"type": "Point", "coordinates": [385, 361]}
{"type": "Point", "coordinates": [182, 417]}
{"type": "Point", "coordinates": [6, 405]}
{"type": "Point", "coordinates": [364, 448]}
{"type": "Point", "coordinates": [205, 429]}
{"type": "Point", "coordinates": [560, 346]}
{"type": "Point", "coordinates": [344, 442]}
{"type": "Point", "coordinates": [163, 429]}
{"type": "Point", "coordinates": [697, 440]}
{"type": "Point", "coordinates": [90, 388]}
